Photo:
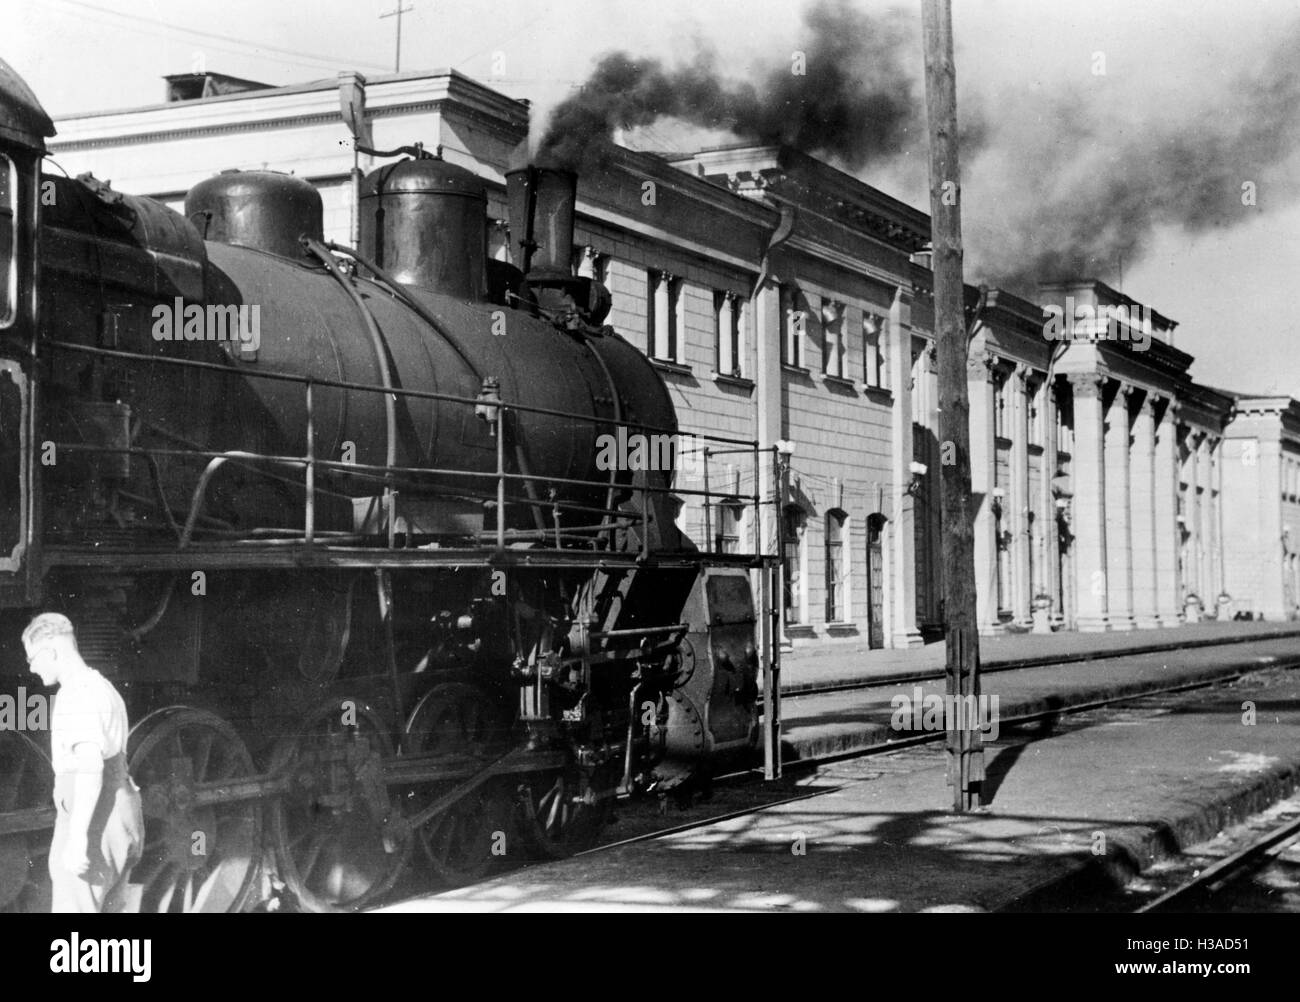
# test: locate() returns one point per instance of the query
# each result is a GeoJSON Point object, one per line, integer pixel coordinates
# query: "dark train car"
{"type": "Point", "coordinates": [332, 520]}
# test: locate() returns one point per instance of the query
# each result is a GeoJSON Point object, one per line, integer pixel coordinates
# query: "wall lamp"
{"type": "Point", "coordinates": [918, 470]}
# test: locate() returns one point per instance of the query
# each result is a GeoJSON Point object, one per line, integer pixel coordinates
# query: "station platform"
{"type": "Point", "coordinates": [1028, 674]}
{"type": "Point", "coordinates": [1140, 784]}
{"type": "Point", "coordinates": [850, 663]}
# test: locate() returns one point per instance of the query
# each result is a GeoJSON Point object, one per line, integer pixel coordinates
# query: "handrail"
{"type": "Point", "coordinates": [378, 472]}
{"type": "Point", "coordinates": [389, 472]}
{"type": "Point", "coordinates": [342, 384]}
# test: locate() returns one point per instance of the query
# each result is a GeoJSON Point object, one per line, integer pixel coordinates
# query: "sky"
{"type": "Point", "coordinates": [1182, 79]}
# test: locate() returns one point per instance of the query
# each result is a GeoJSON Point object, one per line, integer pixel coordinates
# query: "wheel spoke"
{"type": "Point", "coordinates": [333, 858]}
{"type": "Point", "coordinates": [164, 902]}
{"type": "Point", "coordinates": [212, 748]}
{"type": "Point", "coordinates": [204, 756]}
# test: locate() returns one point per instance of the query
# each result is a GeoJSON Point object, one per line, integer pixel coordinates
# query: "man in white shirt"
{"type": "Point", "coordinates": [99, 827]}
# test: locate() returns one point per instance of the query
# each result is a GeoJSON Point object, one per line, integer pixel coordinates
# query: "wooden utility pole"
{"type": "Point", "coordinates": [964, 745]}
{"type": "Point", "coordinates": [398, 12]}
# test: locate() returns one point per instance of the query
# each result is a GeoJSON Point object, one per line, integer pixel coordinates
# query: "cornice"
{"type": "Point", "coordinates": [182, 132]}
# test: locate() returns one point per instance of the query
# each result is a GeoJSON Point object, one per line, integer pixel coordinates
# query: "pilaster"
{"type": "Point", "coordinates": [1169, 592]}
{"type": "Point", "coordinates": [1119, 531]}
{"type": "Point", "coordinates": [1052, 583]}
{"type": "Point", "coordinates": [902, 586]}
{"type": "Point", "coordinates": [983, 465]}
{"type": "Point", "coordinates": [1192, 514]}
{"type": "Point", "coordinates": [1145, 527]}
{"type": "Point", "coordinates": [1019, 499]}
{"type": "Point", "coordinates": [1089, 512]}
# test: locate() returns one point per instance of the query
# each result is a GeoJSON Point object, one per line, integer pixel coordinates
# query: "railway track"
{"type": "Point", "coordinates": [1228, 871]}
{"type": "Point", "coordinates": [642, 822]}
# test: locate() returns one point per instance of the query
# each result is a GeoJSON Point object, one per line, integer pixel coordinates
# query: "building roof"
{"type": "Point", "coordinates": [784, 174]}
{"type": "Point", "coordinates": [454, 77]}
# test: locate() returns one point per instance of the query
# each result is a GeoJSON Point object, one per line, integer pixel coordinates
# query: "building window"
{"type": "Point", "coordinates": [793, 325]}
{"type": "Point", "coordinates": [663, 320]}
{"type": "Point", "coordinates": [1000, 405]}
{"type": "Point", "coordinates": [837, 571]}
{"type": "Point", "coordinates": [727, 534]}
{"type": "Point", "coordinates": [1064, 422]}
{"type": "Point", "coordinates": [1036, 398]}
{"type": "Point", "coordinates": [873, 349]}
{"type": "Point", "coordinates": [832, 338]}
{"type": "Point", "coordinates": [8, 241]}
{"type": "Point", "coordinates": [792, 532]}
{"type": "Point", "coordinates": [729, 315]}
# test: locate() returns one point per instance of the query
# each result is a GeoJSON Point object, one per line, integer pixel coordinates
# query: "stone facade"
{"type": "Point", "coordinates": [1261, 489]}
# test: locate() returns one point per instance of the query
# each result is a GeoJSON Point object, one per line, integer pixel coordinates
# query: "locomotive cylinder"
{"type": "Point", "coordinates": [262, 209]}
{"type": "Point", "coordinates": [425, 223]}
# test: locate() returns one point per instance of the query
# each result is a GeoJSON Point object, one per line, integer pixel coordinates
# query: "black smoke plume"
{"type": "Point", "coordinates": [857, 102]}
{"type": "Point", "coordinates": [1057, 182]}
{"type": "Point", "coordinates": [1072, 185]}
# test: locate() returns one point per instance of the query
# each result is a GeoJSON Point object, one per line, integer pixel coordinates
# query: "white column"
{"type": "Point", "coordinates": [1019, 499]}
{"type": "Point", "coordinates": [1145, 526]}
{"type": "Point", "coordinates": [1191, 476]}
{"type": "Point", "coordinates": [1052, 584]}
{"type": "Point", "coordinates": [1273, 598]}
{"type": "Point", "coordinates": [1205, 569]}
{"type": "Point", "coordinates": [1119, 536]}
{"type": "Point", "coordinates": [1169, 592]}
{"type": "Point", "coordinates": [983, 460]}
{"type": "Point", "coordinates": [1089, 509]}
{"type": "Point", "coordinates": [1214, 533]}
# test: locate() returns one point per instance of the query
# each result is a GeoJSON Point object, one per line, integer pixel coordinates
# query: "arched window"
{"type": "Point", "coordinates": [837, 567]}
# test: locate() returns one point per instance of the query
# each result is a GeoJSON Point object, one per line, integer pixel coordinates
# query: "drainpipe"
{"type": "Point", "coordinates": [352, 106]}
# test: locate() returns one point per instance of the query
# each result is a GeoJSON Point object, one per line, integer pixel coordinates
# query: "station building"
{"type": "Point", "coordinates": [1097, 465]}
{"type": "Point", "coordinates": [1261, 487]}
{"type": "Point", "coordinates": [788, 303]}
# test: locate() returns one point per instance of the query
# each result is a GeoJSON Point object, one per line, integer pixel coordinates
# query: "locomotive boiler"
{"type": "Point", "coordinates": [331, 519]}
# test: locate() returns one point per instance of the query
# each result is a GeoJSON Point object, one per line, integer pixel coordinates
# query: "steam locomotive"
{"type": "Point", "coordinates": [331, 520]}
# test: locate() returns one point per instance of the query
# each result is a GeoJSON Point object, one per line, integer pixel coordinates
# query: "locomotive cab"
{"type": "Point", "coordinates": [23, 128]}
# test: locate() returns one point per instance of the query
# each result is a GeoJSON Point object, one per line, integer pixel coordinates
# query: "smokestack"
{"type": "Point", "coordinates": [542, 201]}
